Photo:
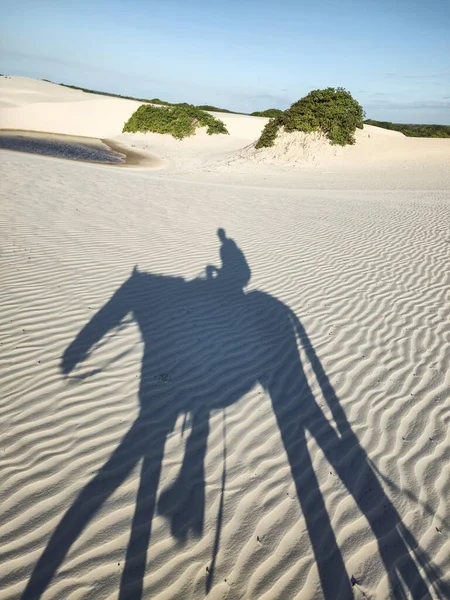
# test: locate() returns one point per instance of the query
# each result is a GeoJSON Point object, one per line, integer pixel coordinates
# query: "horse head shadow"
{"type": "Point", "coordinates": [207, 342]}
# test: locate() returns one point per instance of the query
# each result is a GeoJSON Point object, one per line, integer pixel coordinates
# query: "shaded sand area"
{"type": "Point", "coordinates": [259, 412]}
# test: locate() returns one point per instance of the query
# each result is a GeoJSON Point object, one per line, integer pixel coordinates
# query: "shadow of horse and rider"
{"type": "Point", "coordinates": [207, 342]}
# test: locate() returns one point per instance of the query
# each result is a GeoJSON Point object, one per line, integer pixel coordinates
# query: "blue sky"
{"type": "Point", "coordinates": [393, 55]}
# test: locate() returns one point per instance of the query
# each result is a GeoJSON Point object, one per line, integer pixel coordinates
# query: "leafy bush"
{"type": "Point", "coordinates": [271, 113]}
{"type": "Point", "coordinates": [413, 130]}
{"type": "Point", "coordinates": [180, 121]}
{"type": "Point", "coordinates": [332, 111]}
{"type": "Point", "coordinates": [269, 134]}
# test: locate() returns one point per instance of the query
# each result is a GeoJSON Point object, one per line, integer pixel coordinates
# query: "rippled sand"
{"type": "Point", "coordinates": [258, 415]}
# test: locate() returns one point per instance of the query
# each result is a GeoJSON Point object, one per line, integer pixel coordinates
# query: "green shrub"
{"type": "Point", "coordinates": [269, 134]}
{"type": "Point", "coordinates": [180, 121]}
{"type": "Point", "coordinates": [332, 111]}
{"type": "Point", "coordinates": [271, 113]}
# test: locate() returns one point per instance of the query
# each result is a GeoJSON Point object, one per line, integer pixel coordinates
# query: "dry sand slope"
{"type": "Point", "coordinates": [274, 427]}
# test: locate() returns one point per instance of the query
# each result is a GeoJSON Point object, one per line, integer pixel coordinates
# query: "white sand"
{"type": "Point", "coordinates": [363, 269]}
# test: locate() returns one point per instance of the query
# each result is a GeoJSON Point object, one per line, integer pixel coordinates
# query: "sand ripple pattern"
{"type": "Point", "coordinates": [367, 275]}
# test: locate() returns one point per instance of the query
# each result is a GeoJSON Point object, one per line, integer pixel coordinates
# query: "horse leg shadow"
{"type": "Point", "coordinates": [95, 493]}
{"type": "Point", "coordinates": [184, 502]}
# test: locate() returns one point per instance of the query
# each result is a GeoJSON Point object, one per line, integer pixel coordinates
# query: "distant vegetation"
{"type": "Point", "coordinates": [158, 101]}
{"type": "Point", "coordinates": [87, 91]}
{"type": "Point", "coordinates": [179, 121]}
{"type": "Point", "coordinates": [215, 109]}
{"type": "Point", "coordinates": [271, 113]}
{"type": "Point", "coordinates": [152, 100]}
{"type": "Point", "coordinates": [332, 111]}
{"type": "Point", "coordinates": [429, 131]}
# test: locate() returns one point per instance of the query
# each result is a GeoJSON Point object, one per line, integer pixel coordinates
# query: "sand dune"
{"type": "Point", "coordinates": [34, 105]}
{"type": "Point", "coordinates": [379, 159]}
{"type": "Point", "coordinates": [47, 107]}
{"type": "Point", "coordinates": [300, 425]}
{"type": "Point", "coordinates": [372, 145]}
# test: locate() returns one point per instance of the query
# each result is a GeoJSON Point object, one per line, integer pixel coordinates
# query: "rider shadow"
{"type": "Point", "coordinates": [207, 342]}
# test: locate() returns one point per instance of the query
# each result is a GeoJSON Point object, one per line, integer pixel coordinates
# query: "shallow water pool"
{"type": "Point", "coordinates": [60, 146]}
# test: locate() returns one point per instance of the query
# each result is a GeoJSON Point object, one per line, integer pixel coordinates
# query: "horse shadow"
{"type": "Point", "coordinates": [207, 342]}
